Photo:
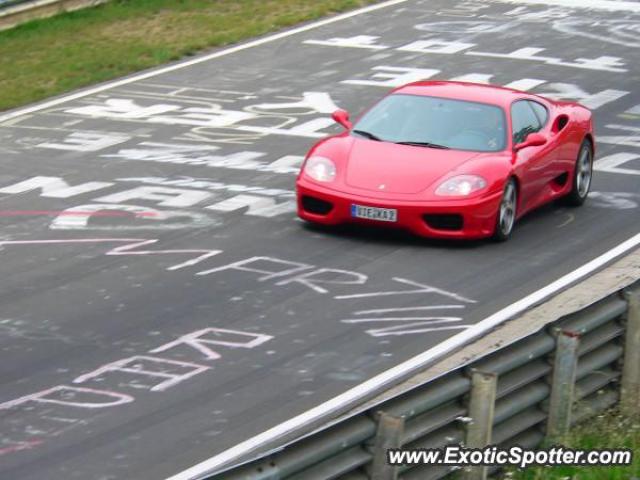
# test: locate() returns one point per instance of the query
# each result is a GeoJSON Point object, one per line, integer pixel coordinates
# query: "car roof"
{"type": "Point", "coordinates": [474, 92]}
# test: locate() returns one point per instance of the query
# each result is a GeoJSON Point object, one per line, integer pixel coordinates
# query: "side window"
{"type": "Point", "coordinates": [523, 121]}
{"type": "Point", "coordinates": [541, 112]}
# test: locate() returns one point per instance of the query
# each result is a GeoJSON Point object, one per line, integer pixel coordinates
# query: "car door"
{"type": "Point", "coordinates": [555, 139]}
{"type": "Point", "coordinates": [535, 165]}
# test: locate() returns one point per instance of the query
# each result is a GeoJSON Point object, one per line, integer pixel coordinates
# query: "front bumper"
{"type": "Point", "coordinates": [466, 218]}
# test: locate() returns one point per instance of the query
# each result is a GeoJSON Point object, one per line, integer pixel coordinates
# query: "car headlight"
{"type": "Point", "coordinates": [461, 185]}
{"type": "Point", "coordinates": [321, 169]}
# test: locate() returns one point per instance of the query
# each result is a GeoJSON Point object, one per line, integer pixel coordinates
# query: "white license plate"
{"type": "Point", "coordinates": [374, 213]}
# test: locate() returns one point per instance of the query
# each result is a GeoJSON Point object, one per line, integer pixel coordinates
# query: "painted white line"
{"type": "Point", "coordinates": [609, 5]}
{"type": "Point", "coordinates": [402, 370]}
{"type": "Point", "coordinates": [70, 240]}
{"type": "Point", "coordinates": [187, 63]}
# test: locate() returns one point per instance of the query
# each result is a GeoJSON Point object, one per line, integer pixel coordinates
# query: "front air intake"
{"type": "Point", "coordinates": [446, 221]}
{"type": "Point", "coordinates": [316, 206]}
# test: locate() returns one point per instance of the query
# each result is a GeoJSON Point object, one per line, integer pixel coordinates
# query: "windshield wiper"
{"type": "Point", "coordinates": [425, 144]}
{"type": "Point", "coordinates": [369, 135]}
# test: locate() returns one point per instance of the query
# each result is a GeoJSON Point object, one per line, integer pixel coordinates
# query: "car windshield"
{"type": "Point", "coordinates": [434, 122]}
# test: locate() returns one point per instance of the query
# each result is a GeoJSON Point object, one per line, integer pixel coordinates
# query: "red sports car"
{"type": "Point", "coordinates": [449, 160]}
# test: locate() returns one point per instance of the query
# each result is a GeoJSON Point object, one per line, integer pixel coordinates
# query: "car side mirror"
{"type": "Point", "coordinates": [342, 117]}
{"type": "Point", "coordinates": [533, 140]}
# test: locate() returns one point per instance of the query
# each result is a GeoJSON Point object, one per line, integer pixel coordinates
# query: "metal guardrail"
{"type": "Point", "coordinates": [11, 3]}
{"type": "Point", "coordinates": [534, 388]}
{"type": "Point", "coordinates": [17, 12]}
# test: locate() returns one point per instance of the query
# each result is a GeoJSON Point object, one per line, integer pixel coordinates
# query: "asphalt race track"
{"type": "Point", "coordinates": [159, 301]}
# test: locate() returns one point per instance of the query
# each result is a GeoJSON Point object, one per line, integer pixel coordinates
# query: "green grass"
{"type": "Point", "coordinates": [609, 431]}
{"type": "Point", "coordinates": [51, 56]}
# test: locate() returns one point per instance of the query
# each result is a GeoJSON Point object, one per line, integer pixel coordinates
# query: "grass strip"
{"type": "Point", "coordinates": [51, 56]}
{"type": "Point", "coordinates": [607, 431]}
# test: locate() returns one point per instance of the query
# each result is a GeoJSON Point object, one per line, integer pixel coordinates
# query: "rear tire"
{"type": "Point", "coordinates": [582, 175]}
{"type": "Point", "coordinates": [506, 217]}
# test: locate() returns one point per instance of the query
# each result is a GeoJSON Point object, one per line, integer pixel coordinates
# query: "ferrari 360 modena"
{"type": "Point", "coordinates": [449, 160]}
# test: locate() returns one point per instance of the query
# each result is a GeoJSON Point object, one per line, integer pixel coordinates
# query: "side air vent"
{"type": "Point", "coordinates": [560, 123]}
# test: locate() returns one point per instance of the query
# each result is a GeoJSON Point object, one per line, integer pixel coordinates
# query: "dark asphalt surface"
{"type": "Point", "coordinates": [264, 348]}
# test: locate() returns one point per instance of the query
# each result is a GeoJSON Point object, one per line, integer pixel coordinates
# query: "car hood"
{"type": "Point", "coordinates": [392, 168]}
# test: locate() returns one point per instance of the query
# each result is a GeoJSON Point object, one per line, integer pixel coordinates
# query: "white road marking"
{"type": "Point", "coordinates": [412, 329]}
{"type": "Point", "coordinates": [400, 371]}
{"type": "Point", "coordinates": [140, 365]}
{"type": "Point", "coordinates": [187, 63]}
{"type": "Point", "coordinates": [612, 163]}
{"type": "Point", "coordinates": [403, 319]}
{"type": "Point", "coordinates": [128, 249]}
{"type": "Point", "coordinates": [609, 5]}
{"type": "Point", "coordinates": [405, 309]}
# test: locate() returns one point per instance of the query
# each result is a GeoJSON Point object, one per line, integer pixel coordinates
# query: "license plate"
{"type": "Point", "coordinates": [374, 213]}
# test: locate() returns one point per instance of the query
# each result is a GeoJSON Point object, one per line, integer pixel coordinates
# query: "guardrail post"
{"type": "Point", "coordinates": [563, 384]}
{"type": "Point", "coordinates": [481, 410]}
{"type": "Point", "coordinates": [630, 383]}
{"type": "Point", "coordinates": [389, 435]}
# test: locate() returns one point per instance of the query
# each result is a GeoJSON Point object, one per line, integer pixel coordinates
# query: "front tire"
{"type": "Point", "coordinates": [582, 175]}
{"type": "Point", "coordinates": [506, 218]}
